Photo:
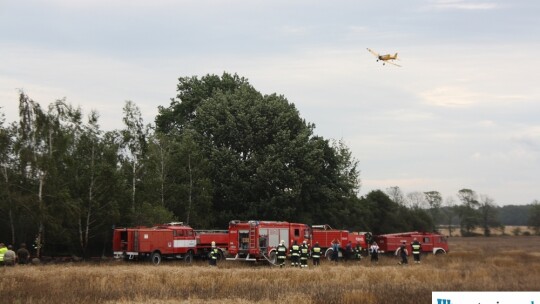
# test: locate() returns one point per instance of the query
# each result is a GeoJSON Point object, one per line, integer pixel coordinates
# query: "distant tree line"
{"type": "Point", "coordinates": [472, 211]}
{"type": "Point", "coordinates": [219, 151]}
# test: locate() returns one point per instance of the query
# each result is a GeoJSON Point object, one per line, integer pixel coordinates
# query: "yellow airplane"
{"type": "Point", "coordinates": [385, 58]}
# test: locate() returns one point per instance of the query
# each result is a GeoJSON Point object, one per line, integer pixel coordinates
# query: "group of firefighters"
{"type": "Point", "coordinates": [301, 253]}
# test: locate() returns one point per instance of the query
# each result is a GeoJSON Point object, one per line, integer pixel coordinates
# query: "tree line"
{"type": "Point", "coordinates": [219, 151]}
{"type": "Point", "coordinates": [470, 211]}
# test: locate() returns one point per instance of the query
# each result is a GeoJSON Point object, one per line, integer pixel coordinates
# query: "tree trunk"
{"type": "Point", "coordinates": [190, 189]}
{"type": "Point", "coordinates": [133, 180]}
{"type": "Point", "coordinates": [162, 177]}
{"type": "Point", "coordinates": [40, 237]}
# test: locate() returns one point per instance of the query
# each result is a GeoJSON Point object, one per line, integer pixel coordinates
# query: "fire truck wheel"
{"type": "Point", "coordinates": [188, 258]}
{"type": "Point", "coordinates": [221, 256]}
{"type": "Point", "coordinates": [439, 252]}
{"type": "Point", "coordinates": [328, 254]}
{"type": "Point", "coordinates": [155, 258]}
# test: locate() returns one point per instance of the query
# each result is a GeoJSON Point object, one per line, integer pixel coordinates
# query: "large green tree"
{"type": "Point", "coordinates": [265, 162]}
{"type": "Point", "coordinates": [44, 144]}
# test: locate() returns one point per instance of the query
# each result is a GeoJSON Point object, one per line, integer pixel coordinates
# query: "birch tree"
{"type": "Point", "coordinates": [134, 146]}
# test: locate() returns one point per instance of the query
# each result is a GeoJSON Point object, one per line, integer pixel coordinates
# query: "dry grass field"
{"type": "Point", "coordinates": [475, 264]}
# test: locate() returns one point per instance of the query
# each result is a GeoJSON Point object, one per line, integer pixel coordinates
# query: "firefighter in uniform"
{"type": "Point", "coordinates": [358, 252]}
{"type": "Point", "coordinates": [281, 253]}
{"type": "Point", "coordinates": [416, 249]}
{"type": "Point", "coordinates": [316, 254]}
{"type": "Point", "coordinates": [304, 254]}
{"type": "Point", "coordinates": [213, 256]}
{"type": "Point", "coordinates": [402, 250]}
{"type": "Point", "coordinates": [295, 254]}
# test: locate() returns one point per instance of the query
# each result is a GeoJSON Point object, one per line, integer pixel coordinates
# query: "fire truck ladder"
{"type": "Point", "coordinates": [252, 238]}
{"type": "Point", "coordinates": [250, 259]}
{"type": "Point", "coordinates": [252, 245]}
{"type": "Point", "coordinates": [238, 258]}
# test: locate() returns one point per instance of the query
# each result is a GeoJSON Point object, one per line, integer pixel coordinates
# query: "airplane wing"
{"type": "Point", "coordinates": [393, 63]}
{"type": "Point", "coordinates": [372, 52]}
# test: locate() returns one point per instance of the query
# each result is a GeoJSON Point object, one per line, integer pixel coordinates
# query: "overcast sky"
{"type": "Point", "coordinates": [463, 111]}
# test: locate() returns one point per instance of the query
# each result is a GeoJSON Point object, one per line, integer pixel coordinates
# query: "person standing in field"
{"type": "Point", "coordinates": [281, 253]}
{"type": "Point", "coordinates": [295, 254]}
{"type": "Point", "coordinates": [10, 257]}
{"type": "Point", "coordinates": [358, 252]}
{"type": "Point", "coordinates": [304, 254]}
{"type": "Point", "coordinates": [403, 253]}
{"type": "Point", "coordinates": [316, 254]}
{"type": "Point", "coordinates": [335, 250]}
{"type": "Point", "coordinates": [213, 256]}
{"type": "Point", "coordinates": [23, 255]}
{"type": "Point", "coordinates": [416, 250]}
{"type": "Point", "coordinates": [3, 250]}
{"type": "Point", "coordinates": [374, 252]}
{"type": "Point", "coordinates": [348, 251]}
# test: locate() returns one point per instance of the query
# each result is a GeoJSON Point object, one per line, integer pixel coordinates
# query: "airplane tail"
{"type": "Point", "coordinates": [395, 56]}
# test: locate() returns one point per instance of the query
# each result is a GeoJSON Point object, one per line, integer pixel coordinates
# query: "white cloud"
{"type": "Point", "coordinates": [93, 82]}
{"type": "Point", "coordinates": [529, 138]}
{"type": "Point", "coordinates": [451, 96]}
{"type": "Point", "coordinates": [463, 5]}
{"type": "Point", "coordinates": [294, 30]}
{"type": "Point", "coordinates": [409, 115]}
{"type": "Point", "coordinates": [83, 4]}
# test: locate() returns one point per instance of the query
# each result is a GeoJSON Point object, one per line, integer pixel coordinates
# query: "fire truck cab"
{"type": "Point", "coordinates": [257, 240]}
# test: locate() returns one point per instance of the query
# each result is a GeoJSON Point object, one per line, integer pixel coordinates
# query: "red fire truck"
{"type": "Point", "coordinates": [325, 235]}
{"type": "Point", "coordinates": [257, 240]}
{"type": "Point", "coordinates": [431, 242]}
{"type": "Point", "coordinates": [172, 240]}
